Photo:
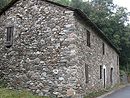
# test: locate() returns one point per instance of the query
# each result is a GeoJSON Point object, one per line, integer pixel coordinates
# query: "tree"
{"type": "Point", "coordinates": [64, 2]}
{"type": "Point", "coordinates": [76, 3]}
{"type": "Point", "coordinates": [3, 3]}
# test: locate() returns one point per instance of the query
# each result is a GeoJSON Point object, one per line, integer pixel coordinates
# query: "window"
{"type": "Point", "coordinates": [9, 37]}
{"type": "Point", "coordinates": [86, 72]}
{"type": "Point", "coordinates": [103, 48]}
{"type": "Point", "coordinates": [88, 38]}
{"type": "Point", "coordinates": [100, 71]}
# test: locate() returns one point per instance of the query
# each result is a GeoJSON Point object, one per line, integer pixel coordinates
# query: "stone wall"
{"type": "Point", "coordinates": [49, 51]}
{"type": "Point", "coordinates": [94, 58]}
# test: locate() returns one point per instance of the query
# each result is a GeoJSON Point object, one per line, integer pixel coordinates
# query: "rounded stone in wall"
{"type": "Point", "coordinates": [55, 71]}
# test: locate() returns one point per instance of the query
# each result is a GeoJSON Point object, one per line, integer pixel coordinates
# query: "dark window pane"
{"type": "Point", "coordinates": [86, 72]}
{"type": "Point", "coordinates": [9, 37]}
{"type": "Point", "coordinates": [100, 71]}
{"type": "Point", "coordinates": [9, 33]}
{"type": "Point", "coordinates": [88, 38]}
{"type": "Point", "coordinates": [103, 48]}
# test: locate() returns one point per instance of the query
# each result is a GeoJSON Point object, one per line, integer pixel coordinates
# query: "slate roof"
{"type": "Point", "coordinates": [78, 13]}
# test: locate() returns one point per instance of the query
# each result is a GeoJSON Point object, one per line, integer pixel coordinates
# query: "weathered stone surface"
{"type": "Point", "coordinates": [50, 51]}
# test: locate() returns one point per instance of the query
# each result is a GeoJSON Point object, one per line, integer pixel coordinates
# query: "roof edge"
{"type": "Point", "coordinates": [52, 2]}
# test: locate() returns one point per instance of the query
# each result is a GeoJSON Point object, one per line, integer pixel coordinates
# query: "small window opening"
{"type": "Point", "coordinates": [101, 71]}
{"type": "Point", "coordinates": [9, 37]}
{"type": "Point", "coordinates": [88, 39]}
{"type": "Point", "coordinates": [103, 48]}
{"type": "Point", "coordinates": [86, 72]}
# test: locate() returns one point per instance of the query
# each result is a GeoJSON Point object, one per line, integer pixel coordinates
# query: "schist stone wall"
{"type": "Point", "coordinates": [50, 55]}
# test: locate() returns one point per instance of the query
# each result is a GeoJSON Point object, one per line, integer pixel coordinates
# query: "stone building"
{"type": "Point", "coordinates": [53, 49]}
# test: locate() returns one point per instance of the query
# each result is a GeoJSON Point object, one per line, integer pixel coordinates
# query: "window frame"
{"type": "Point", "coordinates": [9, 36]}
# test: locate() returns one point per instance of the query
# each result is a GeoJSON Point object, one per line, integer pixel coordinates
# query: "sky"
{"type": "Point", "coordinates": [124, 3]}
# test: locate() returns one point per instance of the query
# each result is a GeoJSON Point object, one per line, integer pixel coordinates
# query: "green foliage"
{"type": "Point", "coordinates": [3, 3]}
{"type": "Point", "coordinates": [100, 92]}
{"type": "Point", "coordinates": [95, 94]}
{"type": "Point", "coordinates": [76, 3]}
{"type": "Point", "coordinates": [122, 73]}
{"type": "Point", "coordinates": [64, 2]}
{"type": "Point", "coordinates": [6, 93]}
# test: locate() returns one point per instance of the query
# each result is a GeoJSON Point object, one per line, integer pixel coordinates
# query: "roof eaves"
{"type": "Point", "coordinates": [58, 4]}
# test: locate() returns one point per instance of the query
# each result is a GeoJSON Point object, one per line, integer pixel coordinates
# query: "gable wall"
{"type": "Point", "coordinates": [40, 52]}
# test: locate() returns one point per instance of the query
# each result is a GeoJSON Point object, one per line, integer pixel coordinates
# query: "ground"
{"type": "Point", "coordinates": [122, 93]}
{"type": "Point", "coordinates": [6, 93]}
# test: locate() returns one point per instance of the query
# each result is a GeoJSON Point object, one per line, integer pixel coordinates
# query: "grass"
{"type": "Point", "coordinates": [95, 94]}
{"type": "Point", "coordinates": [6, 93]}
